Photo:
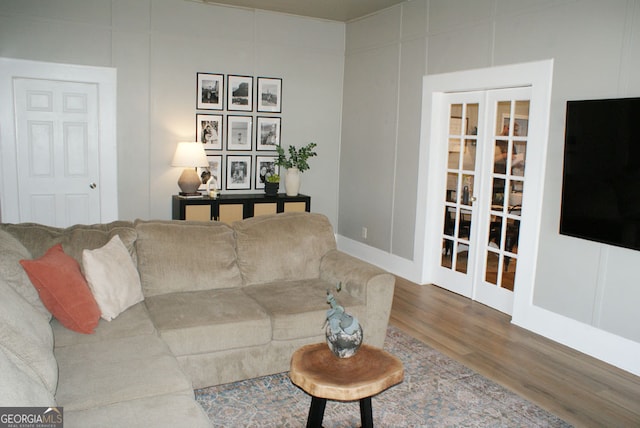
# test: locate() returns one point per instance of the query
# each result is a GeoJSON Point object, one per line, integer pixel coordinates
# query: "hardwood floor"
{"type": "Point", "coordinates": [579, 389]}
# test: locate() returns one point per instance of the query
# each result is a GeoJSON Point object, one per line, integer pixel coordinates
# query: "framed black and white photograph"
{"type": "Point", "coordinates": [239, 132]}
{"type": "Point", "coordinates": [267, 133]}
{"type": "Point", "coordinates": [269, 97]}
{"type": "Point", "coordinates": [265, 167]}
{"type": "Point", "coordinates": [210, 91]}
{"type": "Point", "coordinates": [239, 93]}
{"type": "Point", "coordinates": [209, 131]}
{"type": "Point", "coordinates": [212, 174]}
{"type": "Point", "coordinates": [238, 172]}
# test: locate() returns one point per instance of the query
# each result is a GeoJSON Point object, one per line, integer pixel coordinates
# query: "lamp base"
{"type": "Point", "coordinates": [189, 182]}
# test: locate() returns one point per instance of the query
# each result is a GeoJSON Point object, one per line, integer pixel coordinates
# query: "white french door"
{"type": "Point", "coordinates": [483, 180]}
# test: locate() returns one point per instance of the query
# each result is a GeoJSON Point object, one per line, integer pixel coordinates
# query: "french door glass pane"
{"type": "Point", "coordinates": [500, 157]}
{"type": "Point", "coordinates": [491, 275]}
{"type": "Point", "coordinates": [469, 156]}
{"type": "Point", "coordinates": [462, 254]}
{"type": "Point", "coordinates": [467, 189]}
{"type": "Point", "coordinates": [519, 158]}
{"type": "Point", "coordinates": [508, 273]}
{"type": "Point", "coordinates": [455, 120]}
{"type": "Point", "coordinates": [512, 235]}
{"type": "Point", "coordinates": [452, 186]}
{"type": "Point", "coordinates": [521, 122]}
{"type": "Point", "coordinates": [471, 119]}
{"type": "Point", "coordinates": [447, 251]}
{"type": "Point", "coordinates": [454, 153]}
{"type": "Point", "coordinates": [449, 221]}
{"type": "Point", "coordinates": [497, 193]}
{"type": "Point", "coordinates": [464, 225]}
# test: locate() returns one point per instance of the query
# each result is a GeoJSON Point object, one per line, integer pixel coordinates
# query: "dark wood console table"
{"type": "Point", "coordinates": [232, 207]}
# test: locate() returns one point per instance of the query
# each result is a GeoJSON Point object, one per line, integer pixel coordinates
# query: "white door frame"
{"type": "Point", "coordinates": [538, 76]}
{"type": "Point", "coordinates": [105, 79]}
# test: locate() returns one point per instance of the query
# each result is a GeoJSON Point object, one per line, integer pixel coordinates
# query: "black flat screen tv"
{"type": "Point", "coordinates": [601, 176]}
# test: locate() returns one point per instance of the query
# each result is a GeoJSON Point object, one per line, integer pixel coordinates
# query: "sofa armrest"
{"type": "Point", "coordinates": [367, 282]}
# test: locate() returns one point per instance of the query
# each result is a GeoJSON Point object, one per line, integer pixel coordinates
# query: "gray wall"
{"type": "Point", "coordinates": [596, 49]}
{"type": "Point", "coordinates": [384, 65]}
{"type": "Point", "coordinates": [158, 46]}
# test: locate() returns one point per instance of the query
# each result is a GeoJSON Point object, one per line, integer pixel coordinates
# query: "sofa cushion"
{"type": "Point", "coordinates": [20, 389]}
{"type": "Point", "coordinates": [298, 308]}
{"type": "Point", "coordinates": [38, 238]}
{"type": "Point", "coordinates": [133, 322]}
{"type": "Point", "coordinates": [208, 321]}
{"type": "Point", "coordinates": [11, 252]}
{"type": "Point", "coordinates": [112, 278]}
{"type": "Point", "coordinates": [26, 334]}
{"type": "Point", "coordinates": [113, 371]}
{"type": "Point", "coordinates": [185, 256]}
{"type": "Point", "coordinates": [63, 289]}
{"type": "Point", "coordinates": [169, 411]}
{"type": "Point", "coordinates": [282, 246]}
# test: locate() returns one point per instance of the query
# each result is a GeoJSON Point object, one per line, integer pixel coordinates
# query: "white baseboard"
{"type": "Point", "coordinates": [610, 348]}
{"type": "Point", "coordinates": [390, 262]}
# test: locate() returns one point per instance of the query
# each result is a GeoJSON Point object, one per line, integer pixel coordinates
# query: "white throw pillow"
{"type": "Point", "coordinates": [112, 277]}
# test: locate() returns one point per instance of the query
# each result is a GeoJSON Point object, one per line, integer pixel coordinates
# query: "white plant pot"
{"type": "Point", "coordinates": [292, 181]}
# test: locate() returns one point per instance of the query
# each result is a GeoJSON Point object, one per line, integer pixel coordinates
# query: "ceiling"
{"type": "Point", "coordinates": [335, 10]}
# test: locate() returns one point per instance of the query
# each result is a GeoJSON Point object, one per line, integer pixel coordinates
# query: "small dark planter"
{"type": "Point", "coordinates": [271, 189]}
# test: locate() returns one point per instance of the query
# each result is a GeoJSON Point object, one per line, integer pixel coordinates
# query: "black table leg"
{"type": "Point", "coordinates": [366, 415]}
{"type": "Point", "coordinates": [316, 412]}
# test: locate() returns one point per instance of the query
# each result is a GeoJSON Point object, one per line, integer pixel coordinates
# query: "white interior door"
{"type": "Point", "coordinates": [57, 151]}
{"type": "Point", "coordinates": [482, 185]}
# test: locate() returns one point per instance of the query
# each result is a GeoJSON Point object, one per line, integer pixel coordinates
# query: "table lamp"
{"type": "Point", "coordinates": [189, 156]}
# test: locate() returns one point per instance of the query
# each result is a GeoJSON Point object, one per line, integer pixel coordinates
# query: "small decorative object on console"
{"type": "Point", "coordinates": [344, 333]}
{"type": "Point", "coordinates": [272, 185]}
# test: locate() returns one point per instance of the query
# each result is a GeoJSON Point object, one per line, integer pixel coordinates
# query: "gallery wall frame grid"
{"type": "Point", "coordinates": [233, 111]}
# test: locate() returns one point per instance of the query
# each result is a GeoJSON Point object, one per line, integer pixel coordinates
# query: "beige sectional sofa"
{"type": "Point", "coordinates": [221, 303]}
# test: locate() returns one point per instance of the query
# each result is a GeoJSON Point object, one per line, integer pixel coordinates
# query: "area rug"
{"type": "Point", "coordinates": [437, 392]}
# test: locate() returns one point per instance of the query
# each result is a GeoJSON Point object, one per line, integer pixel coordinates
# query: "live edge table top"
{"type": "Point", "coordinates": [316, 370]}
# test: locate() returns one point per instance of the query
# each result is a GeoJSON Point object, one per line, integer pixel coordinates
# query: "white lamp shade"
{"type": "Point", "coordinates": [189, 155]}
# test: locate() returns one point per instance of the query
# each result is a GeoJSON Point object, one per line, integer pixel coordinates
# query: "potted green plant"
{"type": "Point", "coordinates": [272, 185]}
{"type": "Point", "coordinates": [295, 163]}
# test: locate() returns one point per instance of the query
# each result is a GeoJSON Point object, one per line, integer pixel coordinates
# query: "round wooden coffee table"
{"type": "Point", "coordinates": [321, 374]}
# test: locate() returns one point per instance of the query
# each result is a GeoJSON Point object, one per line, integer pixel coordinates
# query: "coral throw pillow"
{"type": "Point", "coordinates": [63, 289]}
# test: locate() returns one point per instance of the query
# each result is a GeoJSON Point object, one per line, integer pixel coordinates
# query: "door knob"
{"type": "Point", "coordinates": [93, 185]}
